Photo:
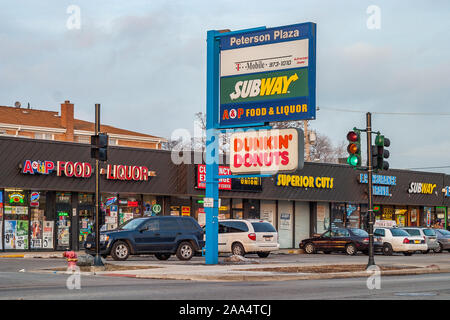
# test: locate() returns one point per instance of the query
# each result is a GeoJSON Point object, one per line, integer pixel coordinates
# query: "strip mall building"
{"type": "Point", "coordinates": [47, 194]}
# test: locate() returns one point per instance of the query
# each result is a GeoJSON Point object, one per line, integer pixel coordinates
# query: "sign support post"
{"type": "Point", "coordinates": [212, 148]}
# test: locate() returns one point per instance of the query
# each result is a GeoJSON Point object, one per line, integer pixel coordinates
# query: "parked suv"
{"type": "Point", "coordinates": [398, 240]}
{"type": "Point", "coordinates": [247, 236]}
{"type": "Point", "coordinates": [429, 235]}
{"type": "Point", "coordinates": [161, 236]}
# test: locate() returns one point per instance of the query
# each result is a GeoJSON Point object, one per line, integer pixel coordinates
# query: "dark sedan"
{"type": "Point", "coordinates": [443, 237]}
{"type": "Point", "coordinates": [348, 240]}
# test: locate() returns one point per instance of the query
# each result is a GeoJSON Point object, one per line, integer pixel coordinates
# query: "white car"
{"type": "Point", "coordinates": [247, 236]}
{"type": "Point", "coordinates": [428, 234]}
{"type": "Point", "coordinates": [398, 240]}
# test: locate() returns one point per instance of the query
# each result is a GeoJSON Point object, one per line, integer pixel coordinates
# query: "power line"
{"type": "Point", "coordinates": [427, 168]}
{"type": "Point", "coordinates": [390, 113]}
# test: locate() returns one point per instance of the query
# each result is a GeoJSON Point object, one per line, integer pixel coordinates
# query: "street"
{"type": "Point", "coordinates": [34, 284]}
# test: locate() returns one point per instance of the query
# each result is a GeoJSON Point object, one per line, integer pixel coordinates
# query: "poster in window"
{"type": "Point", "coordinates": [10, 234]}
{"type": "Point", "coordinates": [47, 235]}
{"type": "Point", "coordinates": [22, 235]}
{"type": "Point", "coordinates": [36, 234]}
{"type": "Point", "coordinates": [267, 215]}
{"type": "Point", "coordinates": [285, 221]}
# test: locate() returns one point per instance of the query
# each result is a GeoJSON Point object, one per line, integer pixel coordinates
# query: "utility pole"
{"type": "Point", "coordinates": [369, 176]}
{"type": "Point", "coordinates": [98, 260]}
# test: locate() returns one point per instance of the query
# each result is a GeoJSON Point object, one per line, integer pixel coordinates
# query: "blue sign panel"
{"type": "Point", "coordinates": [268, 75]}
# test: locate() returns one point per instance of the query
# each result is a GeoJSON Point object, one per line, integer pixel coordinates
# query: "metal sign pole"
{"type": "Point", "coordinates": [97, 260]}
{"type": "Point", "coordinates": [369, 176]}
{"type": "Point", "coordinates": [212, 148]}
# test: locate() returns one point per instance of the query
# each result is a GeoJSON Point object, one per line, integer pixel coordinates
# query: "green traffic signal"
{"type": "Point", "coordinates": [354, 148]}
{"type": "Point", "coordinates": [354, 160]}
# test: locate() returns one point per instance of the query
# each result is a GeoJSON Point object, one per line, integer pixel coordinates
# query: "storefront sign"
{"type": "Point", "coordinates": [423, 188]}
{"type": "Point", "coordinates": [122, 172]}
{"type": "Point", "coordinates": [380, 183]}
{"type": "Point", "coordinates": [253, 184]}
{"type": "Point", "coordinates": [34, 199]}
{"type": "Point", "coordinates": [288, 180]}
{"type": "Point", "coordinates": [156, 208]}
{"type": "Point", "coordinates": [84, 170]}
{"type": "Point", "coordinates": [266, 151]}
{"type": "Point", "coordinates": [38, 167]}
{"type": "Point", "coordinates": [16, 197]}
{"type": "Point", "coordinates": [384, 223]}
{"type": "Point", "coordinates": [446, 191]}
{"type": "Point", "coordinates": [185, 211]}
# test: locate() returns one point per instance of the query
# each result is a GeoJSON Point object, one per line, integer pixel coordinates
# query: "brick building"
{"type": "Point", "coordinates": [63, 126]}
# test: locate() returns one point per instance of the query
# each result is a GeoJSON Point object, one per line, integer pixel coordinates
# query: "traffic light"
{"type": "Point", "coordinates": [354, 148]}
{"type": "Point", "coordinates": [381, 142]}
{"type": "Point", "coordinates": [99, 145]}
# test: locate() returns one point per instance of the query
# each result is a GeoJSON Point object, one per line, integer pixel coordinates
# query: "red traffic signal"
{"type": "Point", "coordinates": [352, 136]}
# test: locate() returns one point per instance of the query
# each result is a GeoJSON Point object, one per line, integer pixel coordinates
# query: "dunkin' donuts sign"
{"type": "Point", "coordinates": [84, 170]}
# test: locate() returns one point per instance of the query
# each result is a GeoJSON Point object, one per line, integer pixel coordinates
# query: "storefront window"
{"type": "Point", "coordinates": [225, 209]}
{"type": "Point", "coordinates": [323, 217]}
{"type": "Point", "coordinates": [129, 207]}
{"type": "Point", "coordinates": [39, 222]}
{"type": "Point", "coordinates": [63, 210]}
{"type": "Point", "coordinates": [438, 221]}
{"type": "Point", "coordinates": [388, 213]}
{"type": "Point", "coordinates": [413, 216]}
{"type": "Point", "coordinates": [352, 219]}
{"type": "Point", "coordinates": [152, 206]}
{"type": "Point", "coordinates": [237, 209]}
{"type": "Point", "coordinates": [338, 213]}
{"type": "Point", "coordinates": [16, 219]}
{"type": "Point", "coordinates": [401, 216]}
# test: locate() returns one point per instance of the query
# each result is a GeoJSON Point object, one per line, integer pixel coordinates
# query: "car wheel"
{"type": "Point", "coordinates": [407, 253]}
{"type": "Point", "coordinates": [120, 251]}
{"type": "Point", "coordinates": [237, 249]}
{"type": "Point", "coordinates": [387, 249]}
{"type": "Point", "coordinates": [185, 251]}
{"type": "Point", "coordinates": [439, 249]}
{"type": "Point", "coordinates": [263, 254]}
{"type": "Point", "coordinates": [350, 249]}
{"type": "Point", "coordinates": [309, 248]}
{"type": "Point", "coordinates": [162, 256]}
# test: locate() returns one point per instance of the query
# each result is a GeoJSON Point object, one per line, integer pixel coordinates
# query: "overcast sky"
{"type": "Point", "coordinates": [145, 63]}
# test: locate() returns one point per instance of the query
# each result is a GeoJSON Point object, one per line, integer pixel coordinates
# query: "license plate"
{"type": "Point", "coordinates": [416, 241]}
{"type": "Point", "coordinates": [268, 239]}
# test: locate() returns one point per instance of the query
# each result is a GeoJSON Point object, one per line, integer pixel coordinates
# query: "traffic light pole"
{"type": "Point", "coordinates": [369, 174]}
{"type": "Point", "coordinates": [97, 260]}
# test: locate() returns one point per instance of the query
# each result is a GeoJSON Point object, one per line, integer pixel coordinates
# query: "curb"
{"type": "Point", "coordinates": [289, 277]}
{"type": "Point", "coordinates": [13, 256]}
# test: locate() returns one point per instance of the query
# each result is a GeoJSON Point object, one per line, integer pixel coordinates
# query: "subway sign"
{"type": "Point", "coordinates": [421, 188]}
{"type": "Point", "coordinates": [380, 183]}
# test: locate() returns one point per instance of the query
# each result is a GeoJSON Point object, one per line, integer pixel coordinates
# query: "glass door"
{"type": "Point", "coordinates": [86, 214]}
{"type": "Point", "coordinates": [63, 223]}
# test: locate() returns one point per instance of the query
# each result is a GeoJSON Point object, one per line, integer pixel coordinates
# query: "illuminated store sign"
{"type": "Point", "coordinates": [232, 184]}
{"type": "Point", "coordinates": [420, 187]}
{"type": "Point", "coordinates": [380, 184]}
{"type": "Point", "coordinates": [290, 180]}
{"type": "Point", "coordinates": [84, 170]}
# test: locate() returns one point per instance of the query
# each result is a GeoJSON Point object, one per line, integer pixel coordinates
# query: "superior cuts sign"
{"type": "Point", "coordinates": [266, 151]}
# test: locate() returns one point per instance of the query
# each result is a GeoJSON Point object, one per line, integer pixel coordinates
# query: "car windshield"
{"type": "Point", "coordinates": [429, 232]}
{"type": "Point", "coordinates": [413, 232]}
{"type": "Point", "coordinates": [399, 233]}
{"type": "Point", "coordinates": [444, 232]}
{"type": "Point", "coordinates": [359, 232]}
{"type": "Point", "coordinates": [263, 227]}
{"type": "Point", "coordinates": [132, 224]}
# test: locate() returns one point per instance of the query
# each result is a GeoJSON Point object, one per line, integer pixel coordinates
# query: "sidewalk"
{"type": "Point", "coordinates": [58, 254]}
